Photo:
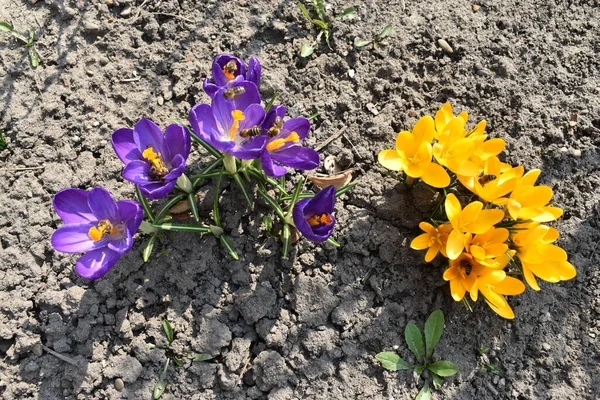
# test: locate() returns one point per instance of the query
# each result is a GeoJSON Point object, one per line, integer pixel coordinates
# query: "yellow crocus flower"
{"type": "Point", "coordinates": [434, 240]}
{"type": "Point", "coordinates": [529, 202]}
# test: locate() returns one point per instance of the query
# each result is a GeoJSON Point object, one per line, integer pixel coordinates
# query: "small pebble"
{"type": "Point", "coordinates": [576, 153]}
{"type": "Point", "coordinates": [476, 7]}
{"type": "Point", "coordinates": [563, 149]}
{"type": "Point", "coordinates": [89, 72]}
{"type": "Point", "coordinates": [160, 100]}
{"type": "Point", "coordinates": [119, 384]}
{"type": "Point", "coordinates": [445, 46]}
{"type": "Point", "coordinates": [37, 350]}
{"type": "Point", "coordinates": [496, 379]}
{"type": "Point", "coordinates": [546, 346]}
{"type": "Point", "coordinates": [351, 73]}
{"type": "Point", "coordinates": [126, 12]}
{"type": "Point", "coordinates": [371, 107]}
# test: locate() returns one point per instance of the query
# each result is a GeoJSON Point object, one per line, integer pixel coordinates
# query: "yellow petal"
{"type": "Point", "coordinates": [435, 175]}
{"type": "Point", "coordinates": [457, 289]}
{"type": "Point", "coordinates": [509, 286]}
{"type": "Point", "coordinates": [453, 209]}
{"type": "Point", "coordinates": [504, 312]}
{"type": "Point", "coordinates": [442, 117]}
{"type": "Point", "coordinates": [530, 278]}
{"type": "Point", "coordinates": [455, 244]}
{"type": "Point", "coordinates": [421, 242]}
{"type": "Point", "coordinates": [390, 160]}
{"type": "Point", "coordinates": [485, 220]}
{"type": "Point", "coordinates": [424, 129]}
{"type": "Point", "coordinates": [432, 252]}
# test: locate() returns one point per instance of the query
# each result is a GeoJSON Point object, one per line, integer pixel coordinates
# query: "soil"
{"type": "Point", "coordinates": [309, 327]}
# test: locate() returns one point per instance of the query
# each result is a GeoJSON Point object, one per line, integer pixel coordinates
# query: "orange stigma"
{"type": "Point", "coordinates": [279, 143]}
{"type": "Point", "coordinates": [237, 117]}
{"type": "Point", "coordinates": [103, 228]}
{"type": "Point", "coordinates": [319, 219]}
{"type": "Point", "coordinates": [229, 70]}
{"type": "Point", "coordinates": [158, 168]}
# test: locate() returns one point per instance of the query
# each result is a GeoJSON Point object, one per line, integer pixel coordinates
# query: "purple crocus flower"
{"type": "Point", "coordinates": [236, 131]}
{"type": "Point", "coordinates": [283, 138]}
{"type": "Point", "coordinates": [227, 68]}
{"type": "Point", "coordinates": [152, 160]}
{"type": "Point", "coordinates": [96, 226]}
{"type": "Point", "coordinates": [313, 218]}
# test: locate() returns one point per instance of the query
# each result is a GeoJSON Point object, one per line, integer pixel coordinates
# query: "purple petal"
{"type": "Point", "coordinates": [210, 88]}
{"type": "Point", "coordinates": [221, 110]}
{"type": "Point", "coordinates": [302, 211]}
{"type": "Point", "coordinates": [74, 238]}
{"type": "Point", "coordinates": [72, 207]}
{"type": "Point", "coordinates": [147, 133]}
{"type": "Point", "coordinates": [97, 263]}
{"type": "Point", "coordinates": [178, 168]}
{"type": "Point", "coordinates": [122, 245]}
{"type": "Point", "coordinates": [131, 214]}
{"type": "Point", "coordinates": [270, 168]}
{"type": "Point", "coordinates": [124, 145]}
{"type": "Point", "coordinates": [250, 95]}
{"type": "Point", "coordinates": [157, 190]}
{"type": "Point", "coordinates": [322, 203]}
{"type": "Point", "coordinates": [298, 157]}
{"type": "Point", "coordinates": [138, 172]}
{"type": "Point", "coordinates": [255, 114]}
{"type": "Point", "coordinates": [254, 71]}
{"type": "Point", "coordinates": [102, 204]}
{"type": "Point", "coordinates": [177, 140]}
{"type": "Point", "coordinates": [220, 62]}
{"type": "Point", "coordinates": [274, 112]}
{"type": "Point", "coordinates": [203, 123]}
{"type": "Point", "coordinates": [299, 125]}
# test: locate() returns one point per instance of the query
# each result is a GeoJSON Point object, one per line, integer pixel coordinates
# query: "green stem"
{"type": "Point", "coordinates": [216, 216]}
{"type": "Point", "coordinates": [194, 206]}
{"type": "Point", "coordinates": [285, 238]}
{"type": "Point", "coordinates": [272, 203]}
{"type": "Point", "coordinates": [169, 226]}
{"type": "Point", "coordinates": [244, 188]}
{"type": "Point", "coordinates": [144, 202]}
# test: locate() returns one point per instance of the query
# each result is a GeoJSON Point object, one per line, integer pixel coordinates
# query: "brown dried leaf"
{"type": "Point", "coordinates": [338, 181]}
{"type": "Point", "coordinates": [295, 235]}
{"type": "Point", "coordinates": [180, 207]}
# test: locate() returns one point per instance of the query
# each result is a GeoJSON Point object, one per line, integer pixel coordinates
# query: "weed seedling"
{"type": "Point", "coordinates": [34, 58]}
{"type": "Point", "coordinates": [485, 366]}
{"type": "Point", "coordinates": [323, 23]}
{"type": "Point", "coordinates": [2, 141]}
{"type": "Point", "coordinates": [432, 372]}
{"type": "Point", "coordinates": [361, 43]}
{"type": "Point", "coordinates": [161, 384]}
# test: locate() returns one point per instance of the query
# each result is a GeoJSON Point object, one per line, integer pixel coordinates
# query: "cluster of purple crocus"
{"type": "Point", "coordinates": [235, 123]}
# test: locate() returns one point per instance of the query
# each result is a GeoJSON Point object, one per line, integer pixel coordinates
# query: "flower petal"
{"type": "Point", "coordinates": [95, 264]}
{"type": "Point", "coordinates": [254, 70]}
{"type": "Point", "coordinates": [435, 175]}
{"type": "Point", "coordinates": [177, 141]}
{"type": "Point", "coordinates": [131, 214]}
{"type": "Point", "coordinates": [138, 173]}
{"type": "Point", "coordinates": [102, 204]}
{"type": "Point", "coordinates": [205, 125]}
{"type": "Point", "coordinates": [73, 238]}
{"type": "Point", "coordinates": [72, 207]}
{"type": "Point", "coordinates": [178, 164]}
{"type": "Point", "coordinates": [298, 157]}
{"type": "Point", "coordinates": [157, 190]}
{"type": "Point", "coordinates": [147, 133]}
{"type": "Point", "coordinates": [390, 159]}
{"type": "Point", "coordinates": [124, 145]}
{"type": "Point", "coordinates": [299, 125]}
{"type": "Point", "coordinates": [271, 169]}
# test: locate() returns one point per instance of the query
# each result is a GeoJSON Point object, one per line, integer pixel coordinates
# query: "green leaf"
{"type": "Point", "coordinates": [31, 38]}
{"type": "Point", "coordinates": [178, 361]}
{"type": "Point", "coordinates": [34, 59]}
{"type": "Point", "coordinates": [384, 33]}
{"type": "Point", "coordinates": [348, 14]}
{"type": "Point", "coordinates": [345, 189]}
{"type": "Point", "coordinates": [333, 242]}
{"type": "Point", "coordinates": [161, 385]}
{"type": "Point", "coordinates": [425, 393]}
{"type": "Point", "coordinates": [202, 357]}
{"type": "Point", "coordinates": [319, 6]}
{"type": "Point", "coordinates": [306, 50]}
{"type": "Point", "coordinates": [268, 223]}
{"type": "Point", "coordinates": [271, 102]}
{"type": "Point", "coordinates": [392, 361]}
{"type": "Point", "coordinates": [168, 330]}
{"type": "Point", "coordinates": [148, 248]}
{"type": "Point", "coordinates": [305, 12]}
{"type": "Point", "coordinates": [321, 24]}
{"type": "Point", "coordinates": [225, 242]}
{"type": "Point", "coordinates": [438, 381]}
{"type": "Point", "coordinates": [2, 142]}
{"type": "Point", "coordinates": [285, 239]}
{"type": "Point", "coordinates": [434, 327]}
{"type": "Point", "coordinates": [360, 43]}
{"type": "Point", "coordinates": [312, 116]}
{"type": "Point", "coordinates": [414, 340]}
{"type": "Point", "coordinates": [443, 368]}
{"type": "Point", "coordinates": [419, 369]}
{"type": "Point", "coordinates": [5, 27]}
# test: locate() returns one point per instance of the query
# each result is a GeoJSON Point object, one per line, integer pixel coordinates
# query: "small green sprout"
{"type": "Point", "coordinates": [323, 23]}
{"type": "Point", "coordinates": [433, 372]}
{"type": "Point", "coordinates": [485, 365]}
{"type": "Point", "coordinates": [2, 141]}
{"type": "Point", "coordinates": [361, 43]}
{"type": "Point", "coordinates": [34, 58]}
{"type": "Point", "coordinates": [161, 385]}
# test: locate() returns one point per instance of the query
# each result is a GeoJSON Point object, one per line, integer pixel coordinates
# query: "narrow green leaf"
{"type": "Point", "coordinates": [31, 38]}
{"type": "Point", "coordinates": [319, 6]}
{"type": "Point", "coordinates": [392, 361]}
{"type": "Point", "coordinates": [434, 327]}
{"type": "Point", "coordinates": [161, 385]}
{"type": "Point", "coordinates": [443, 368]}
{"type": "Point", "coordinates": [414, 340]}
{"type": "Point", "coordinates": [226, 242]}
{"type": "Point", "coordinates": [271, 102]}
{"type": "Point", "coordinates": [306, 50]}
{"type": "Point", "coordinates": [425, 393]}
{"type": "Point", "coordinates": [272, 203]}
{"type": "Point", "coordinates": [2, 141]}
{"type": "Point", "coordinates": [384, 33]}
{"type": "Point", "coordinates": [305, 12]}
{"type": "Point", "coordinates": [34, 59]}
{"type": "Point", "coordinates": [244, 188]}
{"type": "Point", "coordinates": [148, 248]}
{"type": "Point", "coordinates": [170, 203]}
{"type": "Point", "coordinates": [345, 189]}
{"type": "Point", "coordinates": [216, 215]}
{"type": "Point", "coordinates": [327, 37]}
{"type": "Point", "coordinates": [333, 242]}
{"type": "Point", "coordinates": [168, 330]}
{"type": "Point", "coordinates": [360, 43]}
{"type": "Point", "coordinates": [5, 27]}
{"type": "Point", "coordinates": [296, 195]}
{"type": "Point", "coordinates": [321, 24]}
{"type": "Point", "coordinates": [194, 206]}
{"type": "Point", "coordinates": [312, 116]}
{"type": "Point", "coordinates": [178, 361]}
{"type": "Point", "coordinates": [169, 226]}
{"type": "Point", "coordinates": [144, 202]}
{"type": "Point", "coordinates": [438, 381]}
{"type": "Point", "coordinates": [202, 357]}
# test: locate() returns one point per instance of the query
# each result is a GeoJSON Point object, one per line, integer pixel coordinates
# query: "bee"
{"type": "Point", "coordinates": [467, 266]}
{"type": "Point", "coordinates": [251, 132]}
{"type": "Point", "coordinates": [233, 92]}
{"type": "Point", "coordinates": [276, 128]}
{"type": "Point", "coordinates": [229, 69]}
{"type": "Point", "coordinates": [486, 178]}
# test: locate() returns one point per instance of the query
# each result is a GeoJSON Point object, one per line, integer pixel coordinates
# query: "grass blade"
{"type": "Point", "coordinates": [170, 203]}
{"type": "Point", "coordinates": [306, 50]}
{"type": "Point", "coordinates": [5, 27]}
{"type": "Point", "coordinates": [194, 206]}
{"type": "Point", "coordinates": [161, 385]}
{"type": "Point", "coordinates": [226, 242]}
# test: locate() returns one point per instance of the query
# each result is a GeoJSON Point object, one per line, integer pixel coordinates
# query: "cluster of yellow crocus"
{"type": "Point", "coordinates": [500, 232]}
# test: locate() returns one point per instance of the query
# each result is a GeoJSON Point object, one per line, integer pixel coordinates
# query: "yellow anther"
{"type": "Point", "coordinates": [237, 117]}
{"type": "Point", "coordinates": [279, 143]}
{"type": "Point", "coordinates": [103, 228]}
{"type": "Point", "coordinates": [319, 219]}
{"type": "Point", "coordinates": [158, 166]}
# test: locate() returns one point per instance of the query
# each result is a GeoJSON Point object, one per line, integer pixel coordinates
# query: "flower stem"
{"type": "Point", "coordinates": [169, 226]}
{"type": "Point", "coordinates": [409, 181]}
{"type": "Point", "coordinates": [285, 238]}
{"type": "Point", "coordinates": [194, 206]}
{"type": "Point", "coordinates": [144, 202]}
{"type": "Point", "coordinates": [244, 188]}
{"type": "Point", "coordinates": [272, 203]}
